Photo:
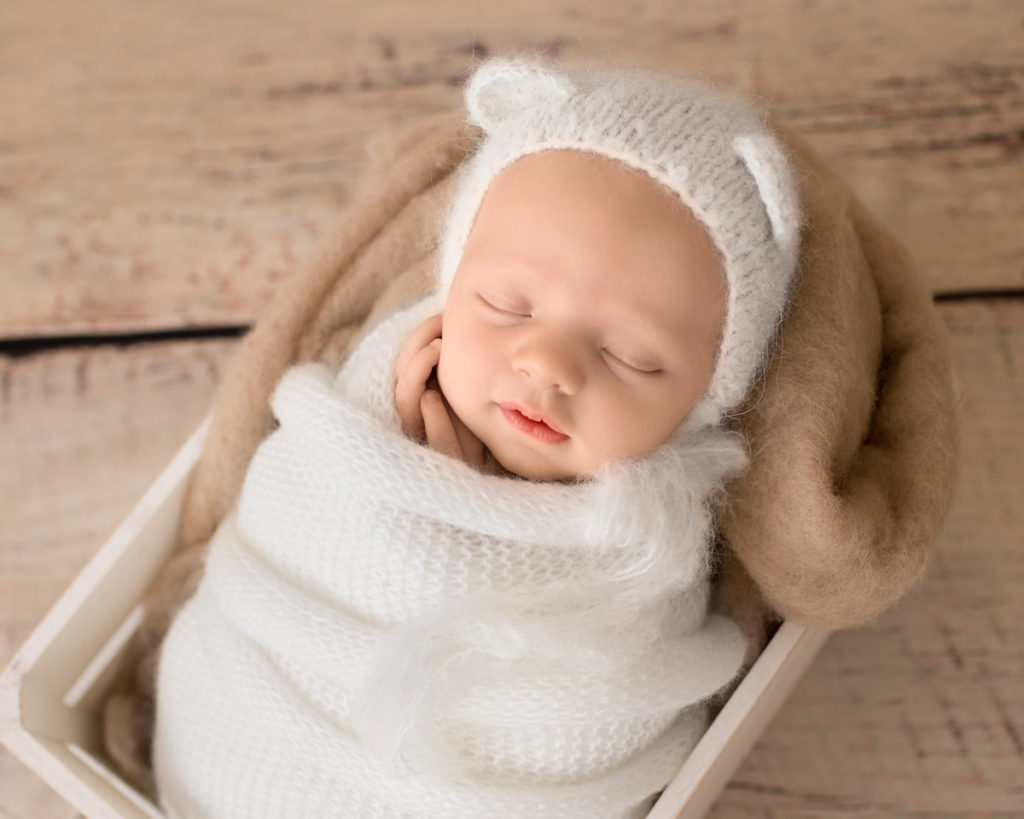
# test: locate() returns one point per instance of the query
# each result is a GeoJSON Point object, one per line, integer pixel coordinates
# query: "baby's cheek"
{"type": "Point", "coordinates": [615, 428]}
{"type": "Point", "coordinates": [630, 427]}
{"type": "Point", "coordinates": [445, 369]}
{"type": "Point", "coordinates": [454, 374]}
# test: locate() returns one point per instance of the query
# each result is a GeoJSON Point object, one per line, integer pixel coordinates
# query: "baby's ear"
{"type": "Point", "coordinates": [504, 88]}
{"type": "Point", "coordinates": [767, 164]}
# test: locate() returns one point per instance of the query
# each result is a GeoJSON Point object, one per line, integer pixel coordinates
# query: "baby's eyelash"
{"type": "Point", "coordinates": [640, 368]}
{"type": "Point", "coordinates": [503, 310]}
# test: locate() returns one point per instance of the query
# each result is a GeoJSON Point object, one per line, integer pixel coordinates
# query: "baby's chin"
{"type": "Point", "coordinates": [533, 466]}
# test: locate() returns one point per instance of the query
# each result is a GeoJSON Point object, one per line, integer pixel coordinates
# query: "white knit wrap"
{"type": "Point", "coordinates": [382, 631]}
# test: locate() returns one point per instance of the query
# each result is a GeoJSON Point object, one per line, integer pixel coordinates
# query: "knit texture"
{"type": "Point", "coordinates": [383, 631]}
{"type": "Point", "coordinates": [710, 149]}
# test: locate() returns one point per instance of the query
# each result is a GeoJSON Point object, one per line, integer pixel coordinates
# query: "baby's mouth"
{"type": "Point", "coordinates": [533, 424]}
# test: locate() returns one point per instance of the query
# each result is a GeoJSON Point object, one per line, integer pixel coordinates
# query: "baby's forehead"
{"type": "Point", "coordinates": [565, 186]}
{"type": "Point", "coordinates": [592, 209]}
{"type": "Point", "coordinates": [570, 171]}
{"type": "Point", "coordinates": [610, 248]}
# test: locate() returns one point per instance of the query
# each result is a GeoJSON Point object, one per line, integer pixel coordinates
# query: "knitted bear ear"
{"type": "Point", "coordinates": [767, 164]}
{"type": "Point", "coordinates": [503, 88]}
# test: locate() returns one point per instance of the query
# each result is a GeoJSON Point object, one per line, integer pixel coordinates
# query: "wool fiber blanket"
{"type": "Point", "coordinates": [383, 631]}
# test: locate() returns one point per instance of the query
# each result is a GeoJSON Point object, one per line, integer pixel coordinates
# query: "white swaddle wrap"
{"type": "Point", "coordinates": [383, 631]}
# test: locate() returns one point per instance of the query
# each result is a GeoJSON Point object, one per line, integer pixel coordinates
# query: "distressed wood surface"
{"type": "Point", "coordinates": [165, 165]}
{"type": "Point", "coordinates": [84, 433]}
{"type": "Point", "coordinates": [919, 715]}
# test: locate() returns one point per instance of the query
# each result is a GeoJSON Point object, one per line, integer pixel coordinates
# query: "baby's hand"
{"type": "Point", "coordinates": [414, 368]}
{"type": "Point", "coordinates": [425, 415]}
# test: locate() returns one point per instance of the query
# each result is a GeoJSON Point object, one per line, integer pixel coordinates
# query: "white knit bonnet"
{"type": "Point", "coordinates": [713, 151]}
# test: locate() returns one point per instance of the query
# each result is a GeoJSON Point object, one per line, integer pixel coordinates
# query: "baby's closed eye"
{"type": "Point", "coordinates": [505, 306]}
{"type": "Point", "coordinates": [631, 361]}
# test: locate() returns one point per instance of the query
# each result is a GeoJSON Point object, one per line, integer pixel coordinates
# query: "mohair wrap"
{"type": "Point", "coordinates": [383, 631]}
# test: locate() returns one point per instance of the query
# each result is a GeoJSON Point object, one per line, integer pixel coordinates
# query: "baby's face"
{"type": "Point", "coordinates": [584, 319]}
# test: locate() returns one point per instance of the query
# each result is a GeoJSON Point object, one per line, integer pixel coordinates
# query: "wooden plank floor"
{"type": "Point", "coordinates": [163, 167]}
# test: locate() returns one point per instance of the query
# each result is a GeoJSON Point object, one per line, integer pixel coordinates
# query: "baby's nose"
{"type": "Point", "coordinates": [551, 361]}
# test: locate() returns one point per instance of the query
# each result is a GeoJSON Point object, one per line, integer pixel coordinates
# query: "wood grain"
{"type": "Point", "coordinates": [919, 715]}
{"type": "Point", "coordinates": [84, 432]}
{"type": "Point", "coordinates": [166, 165]}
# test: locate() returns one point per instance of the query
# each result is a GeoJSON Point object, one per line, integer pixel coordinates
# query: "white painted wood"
{"type": "Point", "coordinates": [35, 723]}
{"type": "Point", "coordinates": [742, 719]}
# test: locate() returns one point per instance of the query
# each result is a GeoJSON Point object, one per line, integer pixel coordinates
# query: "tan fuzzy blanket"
{"type": "Point", "coordinates": [852, 429]}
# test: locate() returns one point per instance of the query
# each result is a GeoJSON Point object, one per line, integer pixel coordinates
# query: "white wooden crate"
{"type": "Point", "coordinates": [51, 692]}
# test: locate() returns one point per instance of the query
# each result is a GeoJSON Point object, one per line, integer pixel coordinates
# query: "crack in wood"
{"type": "Point", "coordinates": [978, 295]}
{"type": "Point", "coordinates": [28, 346]}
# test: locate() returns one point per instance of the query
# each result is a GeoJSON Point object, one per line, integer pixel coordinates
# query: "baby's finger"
{"type": "Point", "coordinates": [409, 387]}
{"type": "Point", "coordinates": [470, 446]}
{"type": "Point", "coordinates": [419, 338]}
{"type": "Point", "coordinates": [440, 431]}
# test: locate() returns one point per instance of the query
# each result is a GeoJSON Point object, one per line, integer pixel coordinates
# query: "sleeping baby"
{"type": "Point", "coordinates": [468, 574]}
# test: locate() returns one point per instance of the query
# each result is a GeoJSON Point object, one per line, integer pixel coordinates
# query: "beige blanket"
{"type": "Point", "coordinates": [852, 430]}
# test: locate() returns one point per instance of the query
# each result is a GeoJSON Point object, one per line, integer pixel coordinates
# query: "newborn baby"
{"type": "Point", "coordinates": [582, 325]}
{"type": "Point", "coordinates": [511, 620]}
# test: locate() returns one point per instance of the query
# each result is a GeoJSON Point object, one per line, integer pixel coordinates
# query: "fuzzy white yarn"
{"type": "Point", "coordinates": [712, 150]}
{"type": "Point", "coordinates": [382, 631]}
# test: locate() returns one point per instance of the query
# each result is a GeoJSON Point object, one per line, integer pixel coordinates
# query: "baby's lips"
{"type": "Point", "coordinates": [533, 423]}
